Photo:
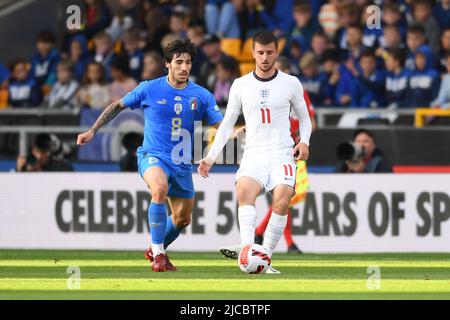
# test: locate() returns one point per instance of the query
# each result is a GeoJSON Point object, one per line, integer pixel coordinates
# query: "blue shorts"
{"type": "Point", "coordinates": [180, 185]}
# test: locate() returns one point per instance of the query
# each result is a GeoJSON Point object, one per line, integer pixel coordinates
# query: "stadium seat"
{"type": "Point", "coordinates": [246, 67]}
{"type": "Point", "coordinates": [231, 46]}
{"type": "Point", "coordinates": [3, 98]}
{"type": "Point", "coordinates": [246, 52]}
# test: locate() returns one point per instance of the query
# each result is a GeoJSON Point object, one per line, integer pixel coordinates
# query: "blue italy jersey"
{"type": "Point", "coordinates": [170, 114]}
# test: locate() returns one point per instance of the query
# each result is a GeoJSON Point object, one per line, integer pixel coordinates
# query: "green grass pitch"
{"type": "Point", "coordinates": [42, 274]}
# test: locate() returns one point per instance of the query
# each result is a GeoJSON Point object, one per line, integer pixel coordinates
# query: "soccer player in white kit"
{"type": "Point", "coordinates": [266, 97]}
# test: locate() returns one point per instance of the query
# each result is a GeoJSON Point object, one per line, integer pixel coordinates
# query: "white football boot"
{"type": "Point", "coordinates": [272, 270]}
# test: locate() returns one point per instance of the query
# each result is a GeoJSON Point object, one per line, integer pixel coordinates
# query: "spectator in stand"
{"type": "Point", "coordinates": [131, 8]}
{"type": "Point", "coordinates": [445, 50]}
{"type": "Point", "coordinates": [339, 80]}
{"type": "Point", "coordinates": [226, 72]}
{"type": "Point", "coordinates": [211, 48]}
{"type": "Point", "coordinates": [415, 40]}
{"type": "Point", "coordinates": [122, 82]}
{"type": "Point", "coordinates": [104, 52]}
{"type": "Point", "coordinates": [349, 15]}
{"type": "Point", "coordinates": [295, 54]}
{"type": "Point", "coordinates": [131, 141]}
{"type": "Point", "coordinates": [79, 55]}
{"type": "Point", "coordinates": [23, 90]}
{"type": "Point", "coordinates": [423, 83]}
{"type": "Point", "coordinates": [443, 99]}
{"type": "Point", "coordinates": [258, 18]}
{"type": "Point", "coordinates": [441, 12]}
{"type": "Point", "coordinates": [135, 55]}
{"type": "Point", "coordinates": [119, 24]}
{"type": "Point", "coordinates": [305, 24]}
{"type": "Point", "coordinates": [95, 92]}
{"type": "Point", "coordinates": [355, 46]}
{"type": "Point", "coordinates": [156, 24]}
{"type": "Point", "coordinates": [44, 61]}
{"type": "Point", "coordinates": [319, 44]}
{"type": "Point", "coordinates": [63, 93]}
{"type": "Point", "coordinates": [46, 155]}
{"type": "Point", "coordinates": [391, 40]}
{"type": "Point", "coordinates": [313, 81]}
{"type": "Point", "coordinates": [329, 17]}
{"type": "Point", "coordinates": [178, 24]}
{"type": "Point", "coordinates": [422, 14]}
{"type": "Point", "coordinates": [282, 15]}
{"type": "Point", "coordinates": [221, 17]}
{"type": "Point", "coordinates": [397, 79]}
{"type": "Point", "coordinates": [372, 160]}
{"type": "Point", "coordinates": [153, 66]}
{"type": "Point", "coordinates": [368, 90]}
{"type": "Point", "coordinates": [196, 33]}
{"type": "Point", "coordinates": [392, 17]}
{"type": "Point", "coordinates": [98, 17]}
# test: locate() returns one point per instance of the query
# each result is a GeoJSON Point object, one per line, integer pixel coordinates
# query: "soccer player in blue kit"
{"type": "Point", "coordinates": [171, 104]}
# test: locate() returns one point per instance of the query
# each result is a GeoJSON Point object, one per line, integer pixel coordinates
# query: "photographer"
{"type": "Point", "coordinates": [47, 154]}
{"type": "Point", "coordinates": [362, 155]}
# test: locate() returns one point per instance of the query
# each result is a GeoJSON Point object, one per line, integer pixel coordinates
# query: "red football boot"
{"type": "Point", "coordinates": [162, 263]}
{"type": "Point", "coordinates": [148, 254]}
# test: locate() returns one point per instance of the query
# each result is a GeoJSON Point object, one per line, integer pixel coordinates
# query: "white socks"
{"type": "Point", "coordinates": [247, 223]}
{"type": "Point", "coordinates": [274, 231]}
{"type": "Point", "coordinates": [157, 249]}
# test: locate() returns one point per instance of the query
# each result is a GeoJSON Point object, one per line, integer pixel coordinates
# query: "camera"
{"type": "Point", "coordinates": [350, 151]}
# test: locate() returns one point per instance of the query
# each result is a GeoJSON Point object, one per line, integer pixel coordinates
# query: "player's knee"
{"type": "Point", "coordinates": [159, 194]}
{"type": "Point", "coordinates": [281, 205]}
{"type": "Point", "coordinates": [246, 197]}
{"type": "Point", "coordinates": [182, 222]}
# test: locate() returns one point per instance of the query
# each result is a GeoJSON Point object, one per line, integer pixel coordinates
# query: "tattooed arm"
{"type": "Point", "coordinates": [107, 115]}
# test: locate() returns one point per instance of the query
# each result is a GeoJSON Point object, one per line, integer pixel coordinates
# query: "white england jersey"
{"type": "Point", "coordinates": [266, 105]}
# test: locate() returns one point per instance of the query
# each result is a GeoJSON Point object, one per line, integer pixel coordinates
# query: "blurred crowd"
{"type": "Point", "coordinates": [344, 54]}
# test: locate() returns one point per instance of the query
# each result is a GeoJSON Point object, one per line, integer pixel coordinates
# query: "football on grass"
{"type": "Point", "coordinates": [254, 258]}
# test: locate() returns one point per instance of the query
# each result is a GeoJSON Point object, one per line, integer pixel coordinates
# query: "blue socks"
{"type": "Point", "coordinates": [172, 232]}
{"type": "Point", "coordinates": [157, 218]}
{"type": "Point", "coordinates": [162, 229]}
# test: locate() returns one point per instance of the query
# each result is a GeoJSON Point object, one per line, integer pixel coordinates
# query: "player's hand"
{"type": "Point", "coordinates": [85, 137]}
{"type": "Point", "coordinates": [301, 151]}
{"type": "Point", "coordinates": [239, 133]}
{"type": "Point", "coordinates": [204, 166]}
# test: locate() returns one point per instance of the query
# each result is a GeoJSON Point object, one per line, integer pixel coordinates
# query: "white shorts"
{"type": "Point", "coordinates": [269, 173]}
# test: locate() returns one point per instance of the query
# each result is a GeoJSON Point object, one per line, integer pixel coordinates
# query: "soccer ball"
{"type": "Point", "coordinates": [254, 258]}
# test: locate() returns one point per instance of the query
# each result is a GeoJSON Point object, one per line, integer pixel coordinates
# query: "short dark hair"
{"type": "Point", "coordinates": [417, 29]}
{"type": "Point", "coordinates": [265, 37]}
{"type": "Point", "coordinates": [302, 6]}
{"type": "Point", "coordinates": [399, 55]}
{"type": "Point", "coordinates": [67, 64]}
{"type": "Point", "coordinates": [43, 142]}
{"type": "Point", "coordinates": [284, 62]}
{"type": "Point", "coordinates": [177, 47]}
{"type": "Point", "coordinates": [12, 65]}
{"type": "Point", "coordinates": [46, 37]}
{"type": "Point", "coordinates": [120, 63]}
{"type": "Point", "coordinates": [368, 53]}
{"type": "Point", "coordinates": [365, 131]}
{"type": "Point", "coordinates": [331, 54]}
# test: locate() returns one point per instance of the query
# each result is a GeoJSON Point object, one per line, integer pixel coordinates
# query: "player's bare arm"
{"type": "Point", "coordinates": [107, 115]}
{"type": "Point", "coordinates": [206, 164]}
